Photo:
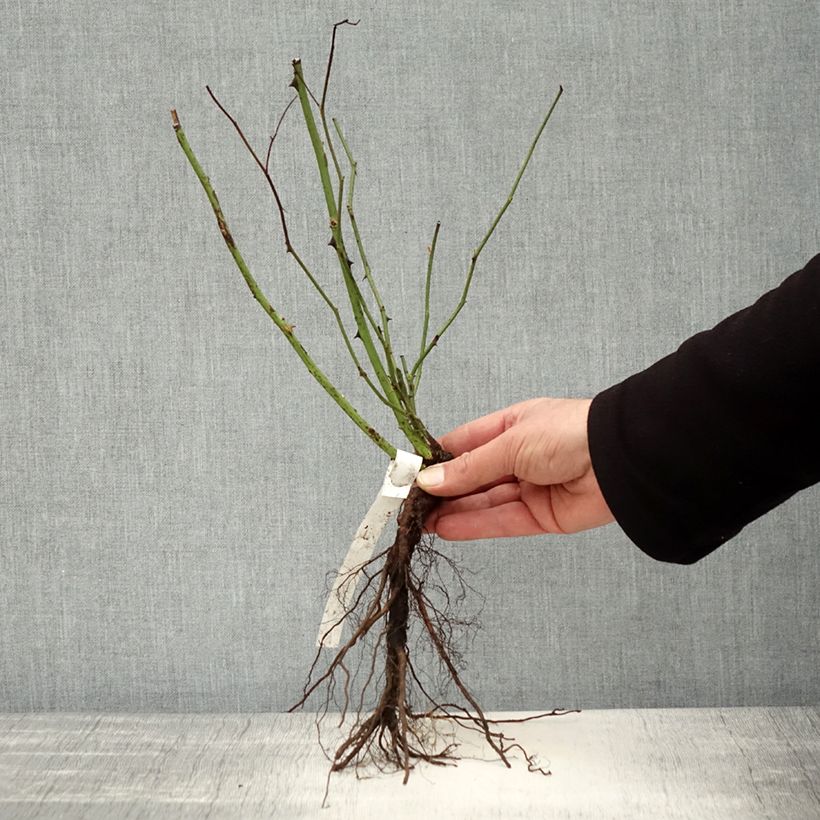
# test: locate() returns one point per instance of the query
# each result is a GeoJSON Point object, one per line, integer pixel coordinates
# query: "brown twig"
{"type": "Point", "coordinates": [330, 56]}
{"type": "Point", "coordinates": [276, 130]}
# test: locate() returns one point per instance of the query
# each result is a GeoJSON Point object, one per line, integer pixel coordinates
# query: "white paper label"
{"type": "Point", "coordinates": [401, 473]}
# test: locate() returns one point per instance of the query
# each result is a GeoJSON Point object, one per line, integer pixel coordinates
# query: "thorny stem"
{"type": "Point", "coordinates": [405, 386]}
{"type": "Point", "coordinates": [382, 330]}
{"type": "Point", "coordinates": [483, 242]}
{"type": "Point", "coordinates": [411, 393]}
{"type": "Point", "coordinates": [385, 319]}
{"type": "Point", "coordinates": [368, 315]}
{"type": "Point", "coordinates": [292, 251]}
{"type": "Point", "coordinates": [279, 321]}
{"type": "Point", "coordinates": [337, 242]}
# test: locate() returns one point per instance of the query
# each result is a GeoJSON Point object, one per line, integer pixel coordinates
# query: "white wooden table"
{"type": "Point", "coordinates": [631, 763]}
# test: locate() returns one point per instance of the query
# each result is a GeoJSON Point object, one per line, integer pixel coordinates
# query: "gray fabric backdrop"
{"type": "Point", "coordinates": [174, 486]}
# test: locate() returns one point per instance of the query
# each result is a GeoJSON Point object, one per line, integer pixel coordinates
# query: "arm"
{"type": "Point", "coordinates": [690, 450]}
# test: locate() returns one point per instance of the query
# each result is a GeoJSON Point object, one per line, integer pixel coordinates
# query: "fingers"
{"type": "Point", "coordinates": [500, 511]}
{"type": "Point", "coordinates": [475, 433]}
{"type": "Point", "coordinates": [485, 497]}
{"type": "Point", "coordinates": [510, 519]}
{"type": "Point", "coordinates": [492, 497]}
{"type": "Point", "coordinates": [472, 469]}
{"type": "Point", "coordinates": [484, 453]}
{"type": "Point", "coordinates": [507, 509]}
{"type": "Point", "coordinates": [483, 429]}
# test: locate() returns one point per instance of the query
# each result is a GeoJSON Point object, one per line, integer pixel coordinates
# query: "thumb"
{"type": "Point", "coordinates": [470, 470]}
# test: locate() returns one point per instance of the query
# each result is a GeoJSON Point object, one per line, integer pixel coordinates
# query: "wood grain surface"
{"type": "Point", "coordinates": [642, 763]}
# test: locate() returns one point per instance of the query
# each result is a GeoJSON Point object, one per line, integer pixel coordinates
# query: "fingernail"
{"type": "Point", "coordinates": [431, 476]}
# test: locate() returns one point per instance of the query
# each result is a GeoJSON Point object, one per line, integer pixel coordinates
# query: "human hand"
{"type": "Point", "coordinates": [523, 470]}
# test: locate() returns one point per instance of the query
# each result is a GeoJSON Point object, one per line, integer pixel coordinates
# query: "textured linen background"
{"type": "Point", "coordinates": [174, 486]}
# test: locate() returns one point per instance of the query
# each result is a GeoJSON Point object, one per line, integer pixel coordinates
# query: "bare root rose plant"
{"type": "Point", "coordinates": [412, 592]}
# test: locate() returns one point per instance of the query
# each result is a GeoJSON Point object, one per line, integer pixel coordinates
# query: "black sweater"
{"type": "Point", "coordinates": [714, 435]}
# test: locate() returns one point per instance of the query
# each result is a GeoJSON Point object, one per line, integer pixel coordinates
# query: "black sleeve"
{"type": "Point", "coordinates": [714, 435]}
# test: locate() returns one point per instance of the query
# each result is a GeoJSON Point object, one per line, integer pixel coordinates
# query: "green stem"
{"type": "Point", "coordinates": [337, 242]}
{"type": "Point", "coordinates": [483, 242]}
{"type": "Point", "coordinates": [400, 378]}
{"type": "Point", "coordinates": [414, 381]}
{"type": "Point", "coordinates": [384, 335]}
{"type": "Point", "coordinates": [411, 392]}
{"type": "Point", "coordinates": [279, 321]}
{"type": "Point", "coordinates": [289, 247]}
{"type": "Point", "coordinates": [345, 335]}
